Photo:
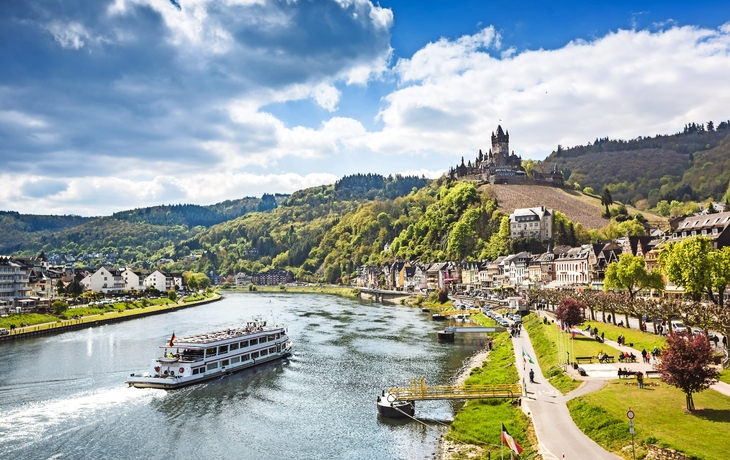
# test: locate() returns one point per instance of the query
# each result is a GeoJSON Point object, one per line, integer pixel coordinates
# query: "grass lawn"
{"type": "Point", "coordinates": [544, 338]}
{"type": "Point", "coordinates": [660, 419]}
{"type": "Point", "coordinates": [479, 421]}
{"type": "Point", "coordinates": [725, 376]}
{"type": "Point", "coordinates": [640, 339]}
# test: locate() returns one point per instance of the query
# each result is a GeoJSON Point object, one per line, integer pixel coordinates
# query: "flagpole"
{"type": "Point", "coordinates": [501, 442]}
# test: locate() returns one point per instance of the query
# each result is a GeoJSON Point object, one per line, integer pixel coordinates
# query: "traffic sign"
{"type": "Point", "coordinates": [630, 414]}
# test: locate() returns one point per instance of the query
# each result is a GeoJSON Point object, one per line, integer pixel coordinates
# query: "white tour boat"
{"type": "Point", "coordinates": [190, 360]}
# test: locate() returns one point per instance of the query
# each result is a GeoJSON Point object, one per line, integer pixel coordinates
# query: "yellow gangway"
{"type": "Point", "coordinates": [419, 391]}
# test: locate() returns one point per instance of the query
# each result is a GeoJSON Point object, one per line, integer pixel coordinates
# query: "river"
{"type": "Point", "coordinates": [64, 396]}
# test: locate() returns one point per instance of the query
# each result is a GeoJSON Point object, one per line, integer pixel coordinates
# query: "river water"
{"type": "Point", "coordinates": [64, 396]}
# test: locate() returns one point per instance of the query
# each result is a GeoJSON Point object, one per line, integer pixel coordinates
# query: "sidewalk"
{"type": "Point", "coordinates": [557, 434]}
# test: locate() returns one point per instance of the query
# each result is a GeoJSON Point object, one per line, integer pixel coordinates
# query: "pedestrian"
{"type": "Point", "coordinates": [595, 331]}
{"type": "Point", "coordinates": [724, 341]}
{"type": "Point", "coordinates": [602, 337]}
{"type": "Point", "coordinates": [643, 355]}
{"type": "Point", "coordinates": [715, 340]}
{"type": "Point", "coordinates": [640, 379]}
{"type": "Point", "coordinates": [609, 317]}
{"type": "Point", "coordinates": [532, 376]}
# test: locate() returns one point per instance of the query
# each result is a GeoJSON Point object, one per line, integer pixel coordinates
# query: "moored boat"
{"type": "Point", "coordinates": [200, 357]}
{"type": "Point", "coordinates": [387, 407]}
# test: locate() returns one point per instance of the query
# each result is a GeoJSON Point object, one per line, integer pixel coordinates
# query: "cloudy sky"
{"type": "Point", "coordinates": [108, 105]}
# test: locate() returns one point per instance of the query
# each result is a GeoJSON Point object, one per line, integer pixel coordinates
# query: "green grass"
{"type": "Point", "coordinates": [724, 376]}
{"type": "Point", "coordinates": [544, 342]}
{"type": "Point", "coordinates": [660, 419]}
{"type": "Point", "coordinates": [479, 422]}
{"type": "Point", "coordinates": [343, 291]}
{"type": "Point", "coordinates": [640, 339]}
{"type": "Point", "coordinates": [28, 318]}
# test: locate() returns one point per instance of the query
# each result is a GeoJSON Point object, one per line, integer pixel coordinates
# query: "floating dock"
{"type": "Point", "coordinates": [449, 332]}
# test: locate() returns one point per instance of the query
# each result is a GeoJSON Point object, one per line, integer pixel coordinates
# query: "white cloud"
{"type": "Point", "coordinates": [625, 84]}
{"type": "Point", "coordinates": [68, 35]}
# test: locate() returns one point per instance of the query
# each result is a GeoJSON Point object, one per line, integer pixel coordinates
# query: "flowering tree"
{"type": "Point", "coordinates": [570, 312]}
{"type": "Point", "coordinates": [686, 364]}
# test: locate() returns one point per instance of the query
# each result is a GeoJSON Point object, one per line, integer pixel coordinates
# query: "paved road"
{"type": "Point", "coordinates": [557, 434]}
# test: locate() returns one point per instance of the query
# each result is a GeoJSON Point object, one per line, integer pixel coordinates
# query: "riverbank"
{"type": "Point", "coordinates": [342, 291]}
{"type": "Point", "coordinates": [61, 326]}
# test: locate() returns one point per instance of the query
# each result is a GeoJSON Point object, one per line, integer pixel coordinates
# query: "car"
{"type": "Point", "coordinates": [678, 326]}
{"type": "Point", "coordinates": [4, 331]}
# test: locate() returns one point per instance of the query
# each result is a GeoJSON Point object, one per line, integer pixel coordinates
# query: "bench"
{"type": "Point", "coordinates": [626, 373]}
{"type": "Point", "coordinates": [578, 359]}
{"type": "Point", "coordinates": [652, 373]}
{"type": "Point", "coordinates": [607, 359]}
{"type": "Point", "coordinates": [627, 360]}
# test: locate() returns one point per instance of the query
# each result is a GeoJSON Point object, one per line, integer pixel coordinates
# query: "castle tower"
{"type": "Point", "coordinates": [500, 146]}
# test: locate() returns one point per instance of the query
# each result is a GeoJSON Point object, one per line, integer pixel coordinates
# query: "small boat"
{"type": "Point", "coordinates": [426, 310]}
{"type": "Point", "coordinates": [395, 409]}
{"type": "Point", "coordinates": [201, 357]}
{"type": "Point", "coordinates": [439, 317]}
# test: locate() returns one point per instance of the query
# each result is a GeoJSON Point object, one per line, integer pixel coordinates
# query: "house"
{"type": "Point", "coordinates": [572, 267]}
{"type": "Point", "coordinates": [534, 223]}
{"type": "Point", "coordinates": [158, 280]}
{"type": "Point", "coordinates": [14, 282]}
{"type": "Point", "coordinates": [272, 277]}
{"type": "Point", "coordinates": [133, 281]}
{"type": "Point", "coordinates": [518, 268]}
{"type": "Point", "coordinates": [242, 279]}
{"type": "Point", "coordinates": [433, 276]}
{"type": "Point", "coordinates": [714, 226]}
{"type": "Point", "coordinates": [106, 280]}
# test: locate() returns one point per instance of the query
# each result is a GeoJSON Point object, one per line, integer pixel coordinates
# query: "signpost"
{"type": "Point", "coordinates": [630, 415]}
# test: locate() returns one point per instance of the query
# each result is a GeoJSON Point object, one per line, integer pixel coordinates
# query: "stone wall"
{"type": "Point", "coordinates": [659, 453]}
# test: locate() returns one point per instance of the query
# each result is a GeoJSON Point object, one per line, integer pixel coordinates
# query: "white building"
{"type": "Point", "coordinates": [13, 282]}
{"type": "Point", "coordinates": [572, 267]}
{"type": "Point", "coordinates": [133, 281]}
{"type": "Point", "coordinates": [104, 280]}
{"type": "Point", "coordinates": [536, 223]}
{"type": "Point", "coordinates": [160, 281]}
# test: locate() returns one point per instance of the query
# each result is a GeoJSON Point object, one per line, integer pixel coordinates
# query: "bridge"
{"type": "Point", "coordinates": [419, 391]}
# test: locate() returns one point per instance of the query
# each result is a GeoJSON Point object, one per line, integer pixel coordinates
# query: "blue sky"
{"type": "Point", "coordinates": [108, 105]}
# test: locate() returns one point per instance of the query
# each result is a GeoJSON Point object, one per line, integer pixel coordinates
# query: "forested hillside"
{"type": "Point", "coordinates": [689, 165]}
{"type": "Point", "coordinates": [16, 229]}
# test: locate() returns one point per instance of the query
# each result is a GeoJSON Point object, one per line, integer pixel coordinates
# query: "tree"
{"type": "Point", "coordinates": [74, 288]}
{"type": "Point", "coordinates": [697, 267]}
{"type": "Point", "coordinates": [59, 306]}
{"type": "Point", "coordinates": [172, 295]}
{"type": "Point", "coordinates": [606, 200]}
{"type": "Point", "coordinates": [60, 288]}
{"type": "Point", "coordinates": [686, 364]}
{"type": "Point", "coordinates": [629, 274]}
{"type": "Point", "coordinates": [570, 312]}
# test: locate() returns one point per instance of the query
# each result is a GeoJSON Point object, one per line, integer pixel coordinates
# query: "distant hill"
{"type": "Point", "coordinates": [16, 229]}
{"type": "Point", "coordinates": [691, 165]}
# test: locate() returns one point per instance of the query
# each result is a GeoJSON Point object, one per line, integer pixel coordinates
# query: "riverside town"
{"type": "Point", "coordinates": [364, 230]}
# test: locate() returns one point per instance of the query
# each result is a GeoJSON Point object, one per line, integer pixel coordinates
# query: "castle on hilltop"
{"type": "Point", "coordinates": [498, 166]}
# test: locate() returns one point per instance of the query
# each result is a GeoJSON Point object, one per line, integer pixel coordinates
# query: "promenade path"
{"type": "Point", "coordinates": [558, 436]}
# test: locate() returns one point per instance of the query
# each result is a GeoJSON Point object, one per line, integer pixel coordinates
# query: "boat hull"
{"type": "Point", "coordinates": [401, 409]}
{"type": "Point", "coordinates": [172, 383]}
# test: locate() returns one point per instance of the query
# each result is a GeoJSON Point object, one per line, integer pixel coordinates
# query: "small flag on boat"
{"type": "Point", "coordinates": [172, 339]}
{"type": "Point", "coordinates": [526, 357]}
{"type": "Point", "coordinates": [509, 440]}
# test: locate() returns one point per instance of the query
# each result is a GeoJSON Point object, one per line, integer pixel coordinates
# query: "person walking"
{"type": "Point", "coordinates": [532, 376]}
{"type": "Point", "coordinates": [643, 355]}
{"type": "Point", "coordinates": [640, 379]}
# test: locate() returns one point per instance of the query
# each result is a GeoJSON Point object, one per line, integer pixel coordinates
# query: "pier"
{"type": "Point", "coordinates": [449, 332]}
{"type": "Point", "coordinates": [419, 391]}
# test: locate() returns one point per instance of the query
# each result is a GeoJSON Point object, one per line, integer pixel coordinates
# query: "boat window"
{"type": "Point", "coordinates": [212, 366]}
{"type": "Point", "coordinates": [271, 338]}
{"type": "Point", "coordinates": [262, 339]}
{"type": "Point", "coordinates": [197, 371]}
{"type": "Point", "coordinates": [278, 335]}
{"type": "Point", "coordinates": [234, 346]}
{"type": "Point", "coordinates": [223, 349]}
{"type": "Point", "coordinates": [254, 341]}
{"type": "Point", "coordinates": [272, 350]}
{"type": "Point", "coordinates": [210, 351]}
{"type": "Point", "coordinates": [245, 357]}
{"type": "Point", "coordinates": [244, 344]}
{"type": "Point", "coordinates": [255, 354]}
{"type": "Point", "coordinates": [235, 360]}
{"type": "Point", "coordinates": [225, 363]}
{"type": "Point", "coordinates": [264, 352]}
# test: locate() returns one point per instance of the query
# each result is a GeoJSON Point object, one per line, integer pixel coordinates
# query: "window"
{"type": "Point", "coordinates": [245, 357]}
{"type": "Point", "coordinates": [225, 363]}
{"type": "Point", "coordinates": [244, 344]}
{"type": "Point", "coordinates": [254, 342]}
{"type": "Point", "coordinates": [271, 338]}
{"type": "Point", "coordinates": [684, 234]}
{"type": "Point", "coordinates": [234, 346]}
{"type": "Point", "coordinates": [223, 350]}
{"type": "Point", "coordinates": [235, 360]}
{"type": "Point", "coordinates": [264, 352]}
{"type": "Point", "coordinates": [212, 366]}
{"type": "Point", "coordinates": [704, 232]}
{"type": "Point", "coordinates": [714, 231]}
{"type": "Point", "coordinates": [210, 351]}
{"type": "Point", "coordinates": [694, 232]}
{"type": "Point", "coordinates": [272, 350]}
{"type": "Point", "coordinates": [255, 354]}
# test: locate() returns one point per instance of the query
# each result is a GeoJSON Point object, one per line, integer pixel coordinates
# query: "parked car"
{"type": "Point", "coordinates": [4, 331]}
{"type": "Point", "coordinates": [678, 326]}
